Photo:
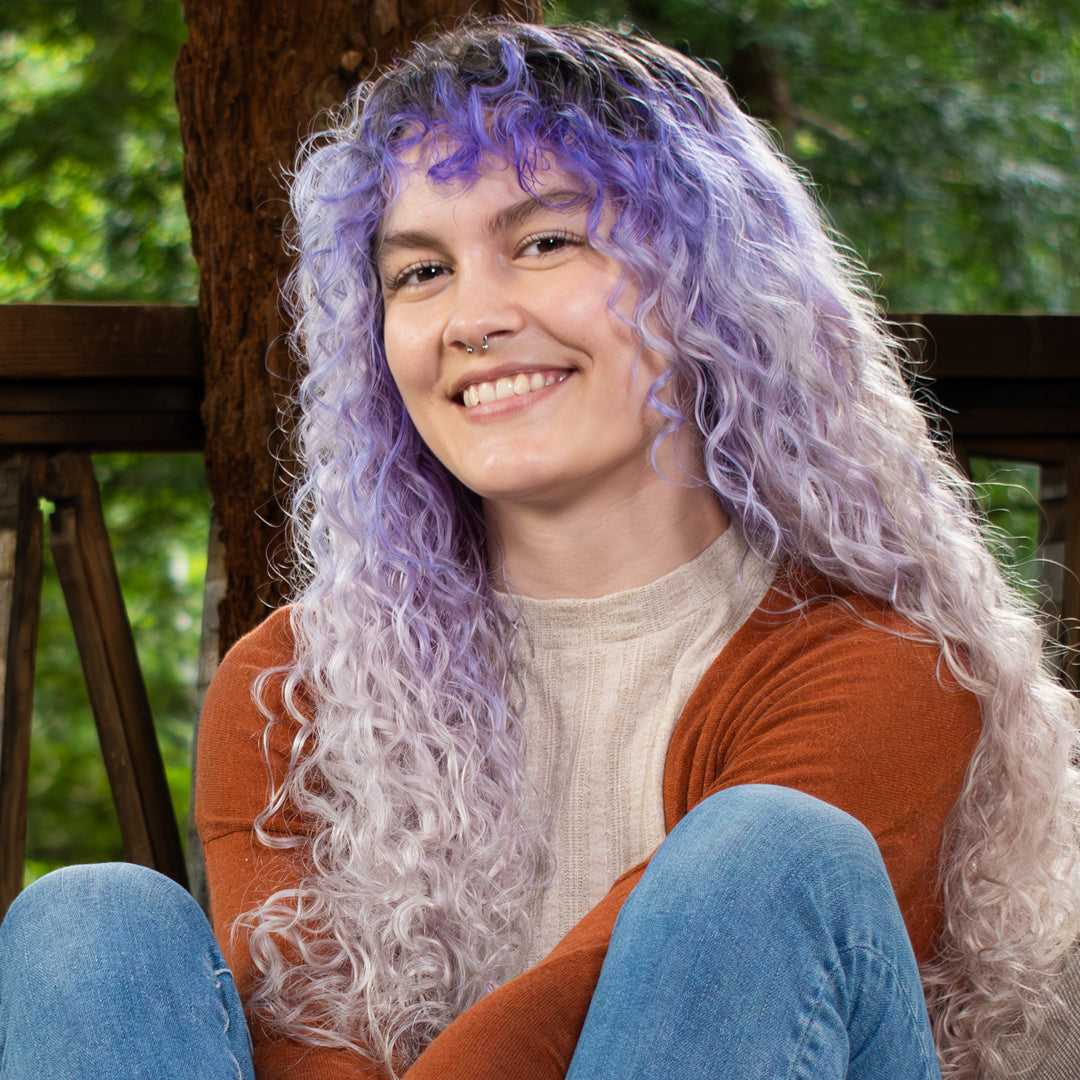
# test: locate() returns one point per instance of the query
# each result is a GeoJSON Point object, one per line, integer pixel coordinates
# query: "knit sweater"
{"type": "Point", "coordinates": [838, 699]}
{"type": "Point", "coordinates": [605, 679]}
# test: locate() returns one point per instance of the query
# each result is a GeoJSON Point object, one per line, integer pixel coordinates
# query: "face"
{"type": "Point", "coordinates": [554, 408]}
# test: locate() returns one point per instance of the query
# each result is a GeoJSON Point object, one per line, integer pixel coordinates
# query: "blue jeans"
{"type": "Point", "coordinates": [112, 971]}
{"type": "Point", "coordinates": [764, 941]}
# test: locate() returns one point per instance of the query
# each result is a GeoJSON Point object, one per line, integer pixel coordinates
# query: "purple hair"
{"type": "Point", "coordinates": [427, 849]}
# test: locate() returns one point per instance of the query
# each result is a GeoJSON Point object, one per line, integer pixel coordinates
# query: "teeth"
{"type": "Point", "coordinates": [485, 392]}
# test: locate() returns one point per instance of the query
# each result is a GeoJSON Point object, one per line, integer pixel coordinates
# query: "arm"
{"type": "Point", "coordinates": [231, 790]}
{"type": "Point", "coordinates": [842, 706]}
{"type": "Point", "coordinates": [852, 715]}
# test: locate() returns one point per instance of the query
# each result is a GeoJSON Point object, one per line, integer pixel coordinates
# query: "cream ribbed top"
{"type": "Point", "coordinates": [605, 681]}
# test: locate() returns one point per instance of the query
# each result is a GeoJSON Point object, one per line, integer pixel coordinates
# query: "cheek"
{"type": "Point", "coordinates": [404, 358]}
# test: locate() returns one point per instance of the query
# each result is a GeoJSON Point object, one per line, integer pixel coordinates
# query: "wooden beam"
{"type": "Point", "coordinates": [161, 342]}
{"type": "Point", "coordinates": [1070, 608]}
{"type": "Point", "coordinates": [100, 341]}
{"type": "Point", "coordinates": [994, 346]}
{"type": "Point", "coordinates": [100, 377]}
{"type": "Point", "coordinates": [102, 431]}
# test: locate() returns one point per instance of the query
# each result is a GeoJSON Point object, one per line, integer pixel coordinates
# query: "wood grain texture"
{"type": "Point", "coordinates": [20, 602]}
{"type": "Point", "coordinates": [84, 564]}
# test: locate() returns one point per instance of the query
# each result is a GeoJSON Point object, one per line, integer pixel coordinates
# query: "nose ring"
{"type": "Point", "coordinates": [483, 346]}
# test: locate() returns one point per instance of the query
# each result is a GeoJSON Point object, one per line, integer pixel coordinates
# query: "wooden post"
{"type": "Point", "coordinates": [87, 573]}
{"type": "Point", "coordinates": [1070, 607]}
{"type": "Point", "coordinates": [20, 601]}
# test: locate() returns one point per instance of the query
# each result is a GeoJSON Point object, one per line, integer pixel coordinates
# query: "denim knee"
{"type": "Point", "coordinates": [763, 939]}
{"type": "Point", "coordinates": [113, 970]}
{"type": "Point", "coordinates": [758, 840]}
{"type": "Point", "coordinates": [95, 902]}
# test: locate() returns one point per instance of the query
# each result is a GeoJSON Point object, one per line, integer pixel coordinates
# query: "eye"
{"type": "Point", "coordinates": [547, 243]}
{"type": "Point", "coordinates": [416, 275]}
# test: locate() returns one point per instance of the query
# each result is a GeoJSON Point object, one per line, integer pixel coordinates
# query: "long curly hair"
{"type": "Point", "coordinates": [425, 848]}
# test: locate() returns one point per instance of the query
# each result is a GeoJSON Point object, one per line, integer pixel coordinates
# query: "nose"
{"type": "Point", "coordinates": [485, 307]}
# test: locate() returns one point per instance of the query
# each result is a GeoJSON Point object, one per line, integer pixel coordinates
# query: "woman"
{"type": "Point", "coordinates": [617, 528]}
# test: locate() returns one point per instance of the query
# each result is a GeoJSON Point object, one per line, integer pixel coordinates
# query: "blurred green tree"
{"type": "Point", "coordinates": [90, 188]}
{"type": "Point", "coordinates": [942, 136]}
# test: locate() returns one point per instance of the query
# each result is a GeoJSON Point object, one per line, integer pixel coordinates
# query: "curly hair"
{"type": "Point", "coordinates": [426, 847]}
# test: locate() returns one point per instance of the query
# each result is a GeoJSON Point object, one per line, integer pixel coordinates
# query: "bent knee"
{"type": "Point", "coordinates": [83, 900]}
{"type": "Point", "coordinates": [759, 836]}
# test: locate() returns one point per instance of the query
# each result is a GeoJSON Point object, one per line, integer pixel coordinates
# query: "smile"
{"type": "Point", "coordinates": [483, 393]}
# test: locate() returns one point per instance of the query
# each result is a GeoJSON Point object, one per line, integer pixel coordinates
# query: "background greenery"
{"type": "Point", "coordinates": [90, 157]}
{"type": "Point", "coordinates": [941, 136]}
{"type": "Point", "coordinates": [91, 209]}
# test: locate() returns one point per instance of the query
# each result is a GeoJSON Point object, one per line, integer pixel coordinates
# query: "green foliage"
{"type": "Point", "coordinates": [157, 513]}
{"type": "Point", "coordinates": [90, 162]}
{"type": "Point", "coordinates": [942, 135]}
{"type": "Point", "coordinates": [1008, 492]}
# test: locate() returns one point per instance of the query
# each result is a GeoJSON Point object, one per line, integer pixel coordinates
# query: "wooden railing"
{"type": "Point", "coordinates": [76, 379]}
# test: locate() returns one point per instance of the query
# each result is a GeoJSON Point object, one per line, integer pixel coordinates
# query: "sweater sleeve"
{"type": "Point", "coordinates": [527, 1028]}
{"type": "Point", "coordinates": [847, 703]}
{"type": "Point", "coordinates": [231, 789]}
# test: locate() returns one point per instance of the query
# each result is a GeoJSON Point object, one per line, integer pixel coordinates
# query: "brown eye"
{"type": "Point", "coordinates": [421, 274]}
{"type": "Point", "coordinates": [424, 274]}
{"type": "Point", "coordinates": [547, 244]}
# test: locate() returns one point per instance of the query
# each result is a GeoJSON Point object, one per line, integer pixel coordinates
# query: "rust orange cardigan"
{"type": "Point", "coordinates": [825, 700]}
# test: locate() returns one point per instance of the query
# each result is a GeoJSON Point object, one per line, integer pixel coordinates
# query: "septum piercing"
{"type": "Point", "coordinates": [483, 347]}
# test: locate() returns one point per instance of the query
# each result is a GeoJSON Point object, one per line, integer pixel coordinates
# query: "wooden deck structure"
{"type": "Point", "coordinates": [76, 379]}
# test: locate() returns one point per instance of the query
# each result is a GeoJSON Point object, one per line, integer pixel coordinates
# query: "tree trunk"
{"type": "Point", "coordinates": [251, 80]}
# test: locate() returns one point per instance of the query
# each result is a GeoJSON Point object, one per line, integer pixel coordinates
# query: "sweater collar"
{"type": "Point", "coordinates": [721, 574]}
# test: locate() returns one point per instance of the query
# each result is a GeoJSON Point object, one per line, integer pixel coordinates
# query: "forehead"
{"type": "Point", "coordinates": [421, 201]}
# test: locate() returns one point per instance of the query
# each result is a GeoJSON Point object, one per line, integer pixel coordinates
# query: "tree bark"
{"type": "Point", "coordinates": [251, 81]}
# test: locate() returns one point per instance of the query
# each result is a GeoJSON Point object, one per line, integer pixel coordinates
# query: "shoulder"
{"type": "Point", "coordinates": [269, 645]}
{"type": "Point", "coordinates": [806, 633]}
{"type": "Point", "coordinates": [231, 761]}
{"type": "Point", "coordinates": [821, 683]}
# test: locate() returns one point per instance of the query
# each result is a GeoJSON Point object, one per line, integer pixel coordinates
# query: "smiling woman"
{"type": "Point", "coordinates": [517, 273]}
{"type": "Point", "coordinates": [650, 704]}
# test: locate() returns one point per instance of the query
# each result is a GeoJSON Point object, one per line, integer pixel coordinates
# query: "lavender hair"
{"type": "Point", "coordinates": [426, 849]}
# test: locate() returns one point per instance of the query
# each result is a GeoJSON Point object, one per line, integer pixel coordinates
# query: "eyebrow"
{"type": "Point", "coordinates": [510, 217]}
{"type": "Point", "coordinates": [562, 202]}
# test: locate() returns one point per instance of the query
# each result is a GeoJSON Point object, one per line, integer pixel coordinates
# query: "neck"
{"type": "Point", "coordinates": [595, 547]}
